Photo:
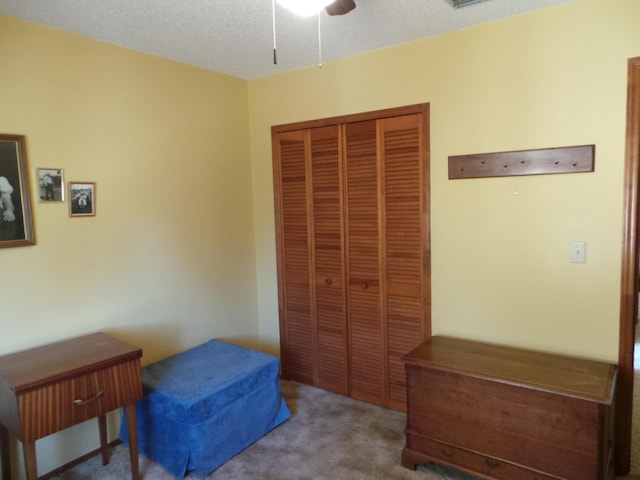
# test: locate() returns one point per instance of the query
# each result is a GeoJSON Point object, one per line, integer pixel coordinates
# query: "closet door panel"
{"type": "Point", "coordinates": [352, 228]}
{"type": "Point", "coordinates": [328, 259]}
{"type": "Point", "coordinates": [366, 333]}
{"type": "Point", "coordinates": [404, 240]}
{"type": "Point", "coordinates": [297, 345]}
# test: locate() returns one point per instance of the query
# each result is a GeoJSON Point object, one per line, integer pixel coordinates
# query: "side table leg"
{"type": "Point", "coordinates": [104, 448]}
{"type": "Point", "coordinates": [133, 439]}
{"type": "Point", "coordinates": [29, 453]}
{"type": "Point", "coordinates": [5, 456]}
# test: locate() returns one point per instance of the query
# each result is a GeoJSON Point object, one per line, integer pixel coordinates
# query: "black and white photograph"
{"type": "Point", "coordinates": [51, 184]}
{"type": "Point", "coordinates": [16, 222]}
{"type": "Point", "coordinates": [82, 199]}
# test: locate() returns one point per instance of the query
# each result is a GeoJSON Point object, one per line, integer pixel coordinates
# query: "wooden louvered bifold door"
{"type": "Point", "coordinates": [352, 229]}
{"type": "Point", "coordinates": [366, 339]}
{"type": "Point", "coordinates": [328, 260]}
{"type": "Point", "coordinates": [296, 329]}
{"type": "Point", "coordinates": [404, 235]}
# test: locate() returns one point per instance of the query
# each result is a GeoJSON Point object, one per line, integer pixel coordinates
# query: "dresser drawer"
{"type": "Point", "coordinates": [65, 403]}
{"type": "Point", "coordinates": [472, 461]}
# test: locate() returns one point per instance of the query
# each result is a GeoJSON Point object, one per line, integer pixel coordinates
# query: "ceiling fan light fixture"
{"type": "Point", "coordinates": [304, 8]}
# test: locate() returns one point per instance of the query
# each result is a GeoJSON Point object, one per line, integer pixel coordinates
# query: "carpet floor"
{"type": "Point", "coordinates": [328, 437]}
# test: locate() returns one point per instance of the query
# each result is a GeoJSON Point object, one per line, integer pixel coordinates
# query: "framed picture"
{"type": "Point", "coordinates": [82, 199]}
{"type": "Point", "coordinates": [51, 185]}
{"type": "Point", "coordinates": [16, 220]}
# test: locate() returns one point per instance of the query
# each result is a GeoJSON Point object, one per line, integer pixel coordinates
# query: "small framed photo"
{"type": "Point", "coordinates": [51, 185]}
{"type": "Point", "coordinates": [16, 221]}
{"type": "Point", "coordinates": [82, 199]}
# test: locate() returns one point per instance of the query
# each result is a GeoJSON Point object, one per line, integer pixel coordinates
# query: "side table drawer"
{"type": "Point", "coordinates": [476, 462]}
{"type": "Point", "coordinates": [65, 403]}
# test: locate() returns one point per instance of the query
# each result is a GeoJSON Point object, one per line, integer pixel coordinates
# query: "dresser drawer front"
{"type": "Point", "coordinates": [472, 461]}
{"type": "Point", "coordinates": [62, 404]}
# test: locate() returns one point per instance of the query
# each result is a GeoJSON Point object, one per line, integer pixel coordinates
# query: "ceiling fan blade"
{"type": "Point", "coordinates": [340, 7]}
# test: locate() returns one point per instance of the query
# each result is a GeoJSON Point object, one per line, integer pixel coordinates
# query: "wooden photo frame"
{"type": "Point", "coordinates": [16, 220]}
{"type": "Point", "coordinates": [51, 185]}
{"type": "Point", "coordinates": [82, 199]}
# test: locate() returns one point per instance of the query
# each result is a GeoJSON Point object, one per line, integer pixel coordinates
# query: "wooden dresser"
{"type": "Point", "coordinates": [46, 389]}
{"type": "Point", "coordinates": [509, 414]}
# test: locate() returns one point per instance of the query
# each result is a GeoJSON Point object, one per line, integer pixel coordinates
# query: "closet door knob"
{"type": "Point", "coordinates": [365, 285]}
{"type": "Point", "coordinates": [328, 282]}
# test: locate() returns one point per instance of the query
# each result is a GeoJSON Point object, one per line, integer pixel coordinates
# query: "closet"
{"type": "Point", "coordinates": [352, 235]}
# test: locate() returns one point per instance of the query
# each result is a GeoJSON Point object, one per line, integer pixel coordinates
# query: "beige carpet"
{"type": "Point", "coordinates": [328, 437]}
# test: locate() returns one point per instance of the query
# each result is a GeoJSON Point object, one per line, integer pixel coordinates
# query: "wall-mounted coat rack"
{"type": "Point", "coordinates": [524, 162]}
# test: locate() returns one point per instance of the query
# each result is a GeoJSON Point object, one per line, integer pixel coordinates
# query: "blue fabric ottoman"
{"type": "Point", "coordinates": [205, 405]}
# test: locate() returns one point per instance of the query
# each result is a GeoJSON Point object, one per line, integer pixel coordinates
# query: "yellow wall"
{"type": "Point", "coordinates": [500, 247]}
{"type": "Point", "coordinates": [182, 162]}
{"type": "Point", "coordinates": [168, 262]}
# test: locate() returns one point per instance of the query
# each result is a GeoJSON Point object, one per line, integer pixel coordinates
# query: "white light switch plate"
{"type": "Point", "coordinates": [578, 252]}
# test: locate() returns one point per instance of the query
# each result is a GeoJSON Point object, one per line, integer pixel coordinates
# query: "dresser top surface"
{"type": "Point", "coordinates": [45, 364]}
{"type": "Point", "coordinates": [581, 378]}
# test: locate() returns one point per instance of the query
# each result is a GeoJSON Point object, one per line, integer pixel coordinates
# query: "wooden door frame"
{"type": "Point", "coordinates": [629, 274]}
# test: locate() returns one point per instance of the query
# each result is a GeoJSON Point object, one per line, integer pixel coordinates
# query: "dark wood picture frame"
{"type": "Point", "coordinates": [16, 219]}
{"type": "Point", "coordinates": [82, 199]}
{"type": "Point", "coordinates": [51, 185]}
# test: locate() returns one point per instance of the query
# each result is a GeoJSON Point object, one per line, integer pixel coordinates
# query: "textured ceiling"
{"type": "Point", "coordinates": [236, 36]}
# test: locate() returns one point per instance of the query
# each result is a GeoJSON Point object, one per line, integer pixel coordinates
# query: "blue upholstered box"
{"type": "Point", "coordinates": [203, 406]}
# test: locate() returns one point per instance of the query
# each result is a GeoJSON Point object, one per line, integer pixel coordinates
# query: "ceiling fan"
{"type": "Point", "coordinates": [307, 8]}
{"type": "Point", "coordinates": [340, 7]}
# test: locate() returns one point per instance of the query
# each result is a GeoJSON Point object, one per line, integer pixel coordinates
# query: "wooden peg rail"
{"type": "Point", "coordinates": [524, 162]}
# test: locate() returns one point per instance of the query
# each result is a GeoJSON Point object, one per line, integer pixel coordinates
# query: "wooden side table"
{"type": "Point", "coordinates": [49, 388]}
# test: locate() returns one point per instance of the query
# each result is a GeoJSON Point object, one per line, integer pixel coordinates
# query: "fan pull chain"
{"type": "Point", "coordinates": [319, 42]}
{"type": "Point", "coordinates": [273, 17]}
